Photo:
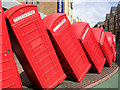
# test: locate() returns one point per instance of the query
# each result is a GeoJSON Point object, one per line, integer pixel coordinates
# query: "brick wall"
{"type": "Point", "coordinates": [107, 23]}
{"type": "Point", "coordinates": [112, 23]}
{"type": "Point", "coordinates": [48, 7]}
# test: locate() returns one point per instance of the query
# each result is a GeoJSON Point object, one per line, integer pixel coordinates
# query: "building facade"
{"type": "Point", "coordinates": [53, 6]}
{"type": "Point", "coordinates": [107, 22]}
{"type": "Point", "coordinates": [69, 9]}
{"type": "Point", "coordinates": [112, 20]}
{"type": "Point", "coordinates": [118, 22]}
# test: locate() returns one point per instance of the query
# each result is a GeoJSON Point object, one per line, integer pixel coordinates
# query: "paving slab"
{"type": "Point", "coordinates": [110, 83]}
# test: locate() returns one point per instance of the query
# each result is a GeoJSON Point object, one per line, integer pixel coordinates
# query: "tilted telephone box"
{"type": "Point", "coordinates": [33, 47]}
{"type": "Point", "coordinates": [104, 44]}
{"type": "Point", "coordinates": [86, 37]}
{"type": "Point", "coordinates": [114, 45]}
{"type": "Point", "coordinates": [111, 42]}
{"type": "Point", "coordinates": [114, 39]}
{"type": "Point", "coordinates": [68, 48]}
{"type": "Point", "coordinates": [9, 76]}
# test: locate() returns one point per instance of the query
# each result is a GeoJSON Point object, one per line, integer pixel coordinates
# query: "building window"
{"type": "Point", "coordinates": [27, 1]}
{"type": "Point", "coordinates": [116, 17]}
{"type": "Point", "coordinates": [116, 25]}
{"type": "Point", "coordinates": [113, 19]}
{"type": "Point", "coordinates": [33, 1]}
{"type": "Point", "coordinates": [38, 5]}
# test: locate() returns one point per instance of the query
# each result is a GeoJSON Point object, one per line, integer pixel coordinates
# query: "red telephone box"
{"type": "Point", "coordinates": [9, 76]}
{"type": "Point", "coordinates": [87, 39]}
{"type": "Point", "coordinates": [110, 40]}
{"type": "Point", "coordinates": [114, 44]}
{"type": "Point", "coordinates": [33, 46]}
{"type": "Point", "coordinates": [114, 39]}
{"type": "Point", "coordinates": [68, 48]}
{"type": "Point", "coordinates": [109, 37]}
{"type": "Point", "coordinates": [104, 44]}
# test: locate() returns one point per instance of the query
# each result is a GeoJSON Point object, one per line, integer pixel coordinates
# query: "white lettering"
{"type": "Point", "coordinates": [102, 36]}
{"type": "Point", "coordinates": [85, 33]}
{"type": "Point", "coordinates": [24, 16]}
{"type": "Point", "coordinates": [59, 25]}
{"type": "Point", "coordinates": [20, 17]}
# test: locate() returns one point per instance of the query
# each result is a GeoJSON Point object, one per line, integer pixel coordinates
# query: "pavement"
{"type": "Point", "coordinates": [118, 54]}
{"type": "Point", "coordinates": [110, 83]}
{"type": "Point", "coordinates": [114, 81]}
{"type": "Point", "coordinates": [107, 79]}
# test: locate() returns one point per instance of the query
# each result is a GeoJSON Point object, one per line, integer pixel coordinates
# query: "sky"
{"type": "Point", "coordinates": [92, 11]}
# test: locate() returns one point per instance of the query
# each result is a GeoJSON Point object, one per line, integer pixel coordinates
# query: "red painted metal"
{"type": "Point", "coordinates": [33, 47]}
{"type": "Point", "coordinates": [104, 44]}
{"type": "Point", "coordinates": [68, 48]}
{"type": "Point", "coordinates": [114, 39]}
{"type": "Point", "coordinates": [92, 48]}
{"type": "Point", "coordinates": [109, 37]}
{"type": "Point", "coordinates": [110, 40]}
{"type": "Point", "coordinates": [9, 76]}
{"type": "Point", "coordinates": [114, 44]}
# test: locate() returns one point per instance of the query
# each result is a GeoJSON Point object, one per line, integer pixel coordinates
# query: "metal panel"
{"type": "Point", "coordinates": [87, 39]}
{"type": "Point", "coordinates": [109, 37]}
{"type": "Point", "coordinates": [104, 44]}
{"type": "Point", "coordinates": [114, 39]}
{"type": "Point", "coordinates": [111, 42]}
{"type": "Point", "coordinates": [114, 44]}
{"type": "Point", "coordinates": [68, 48]}
{"type": "Point", "coordinates": [9, 76]}
{"type": "Point", "coordinates": [39, 58]}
